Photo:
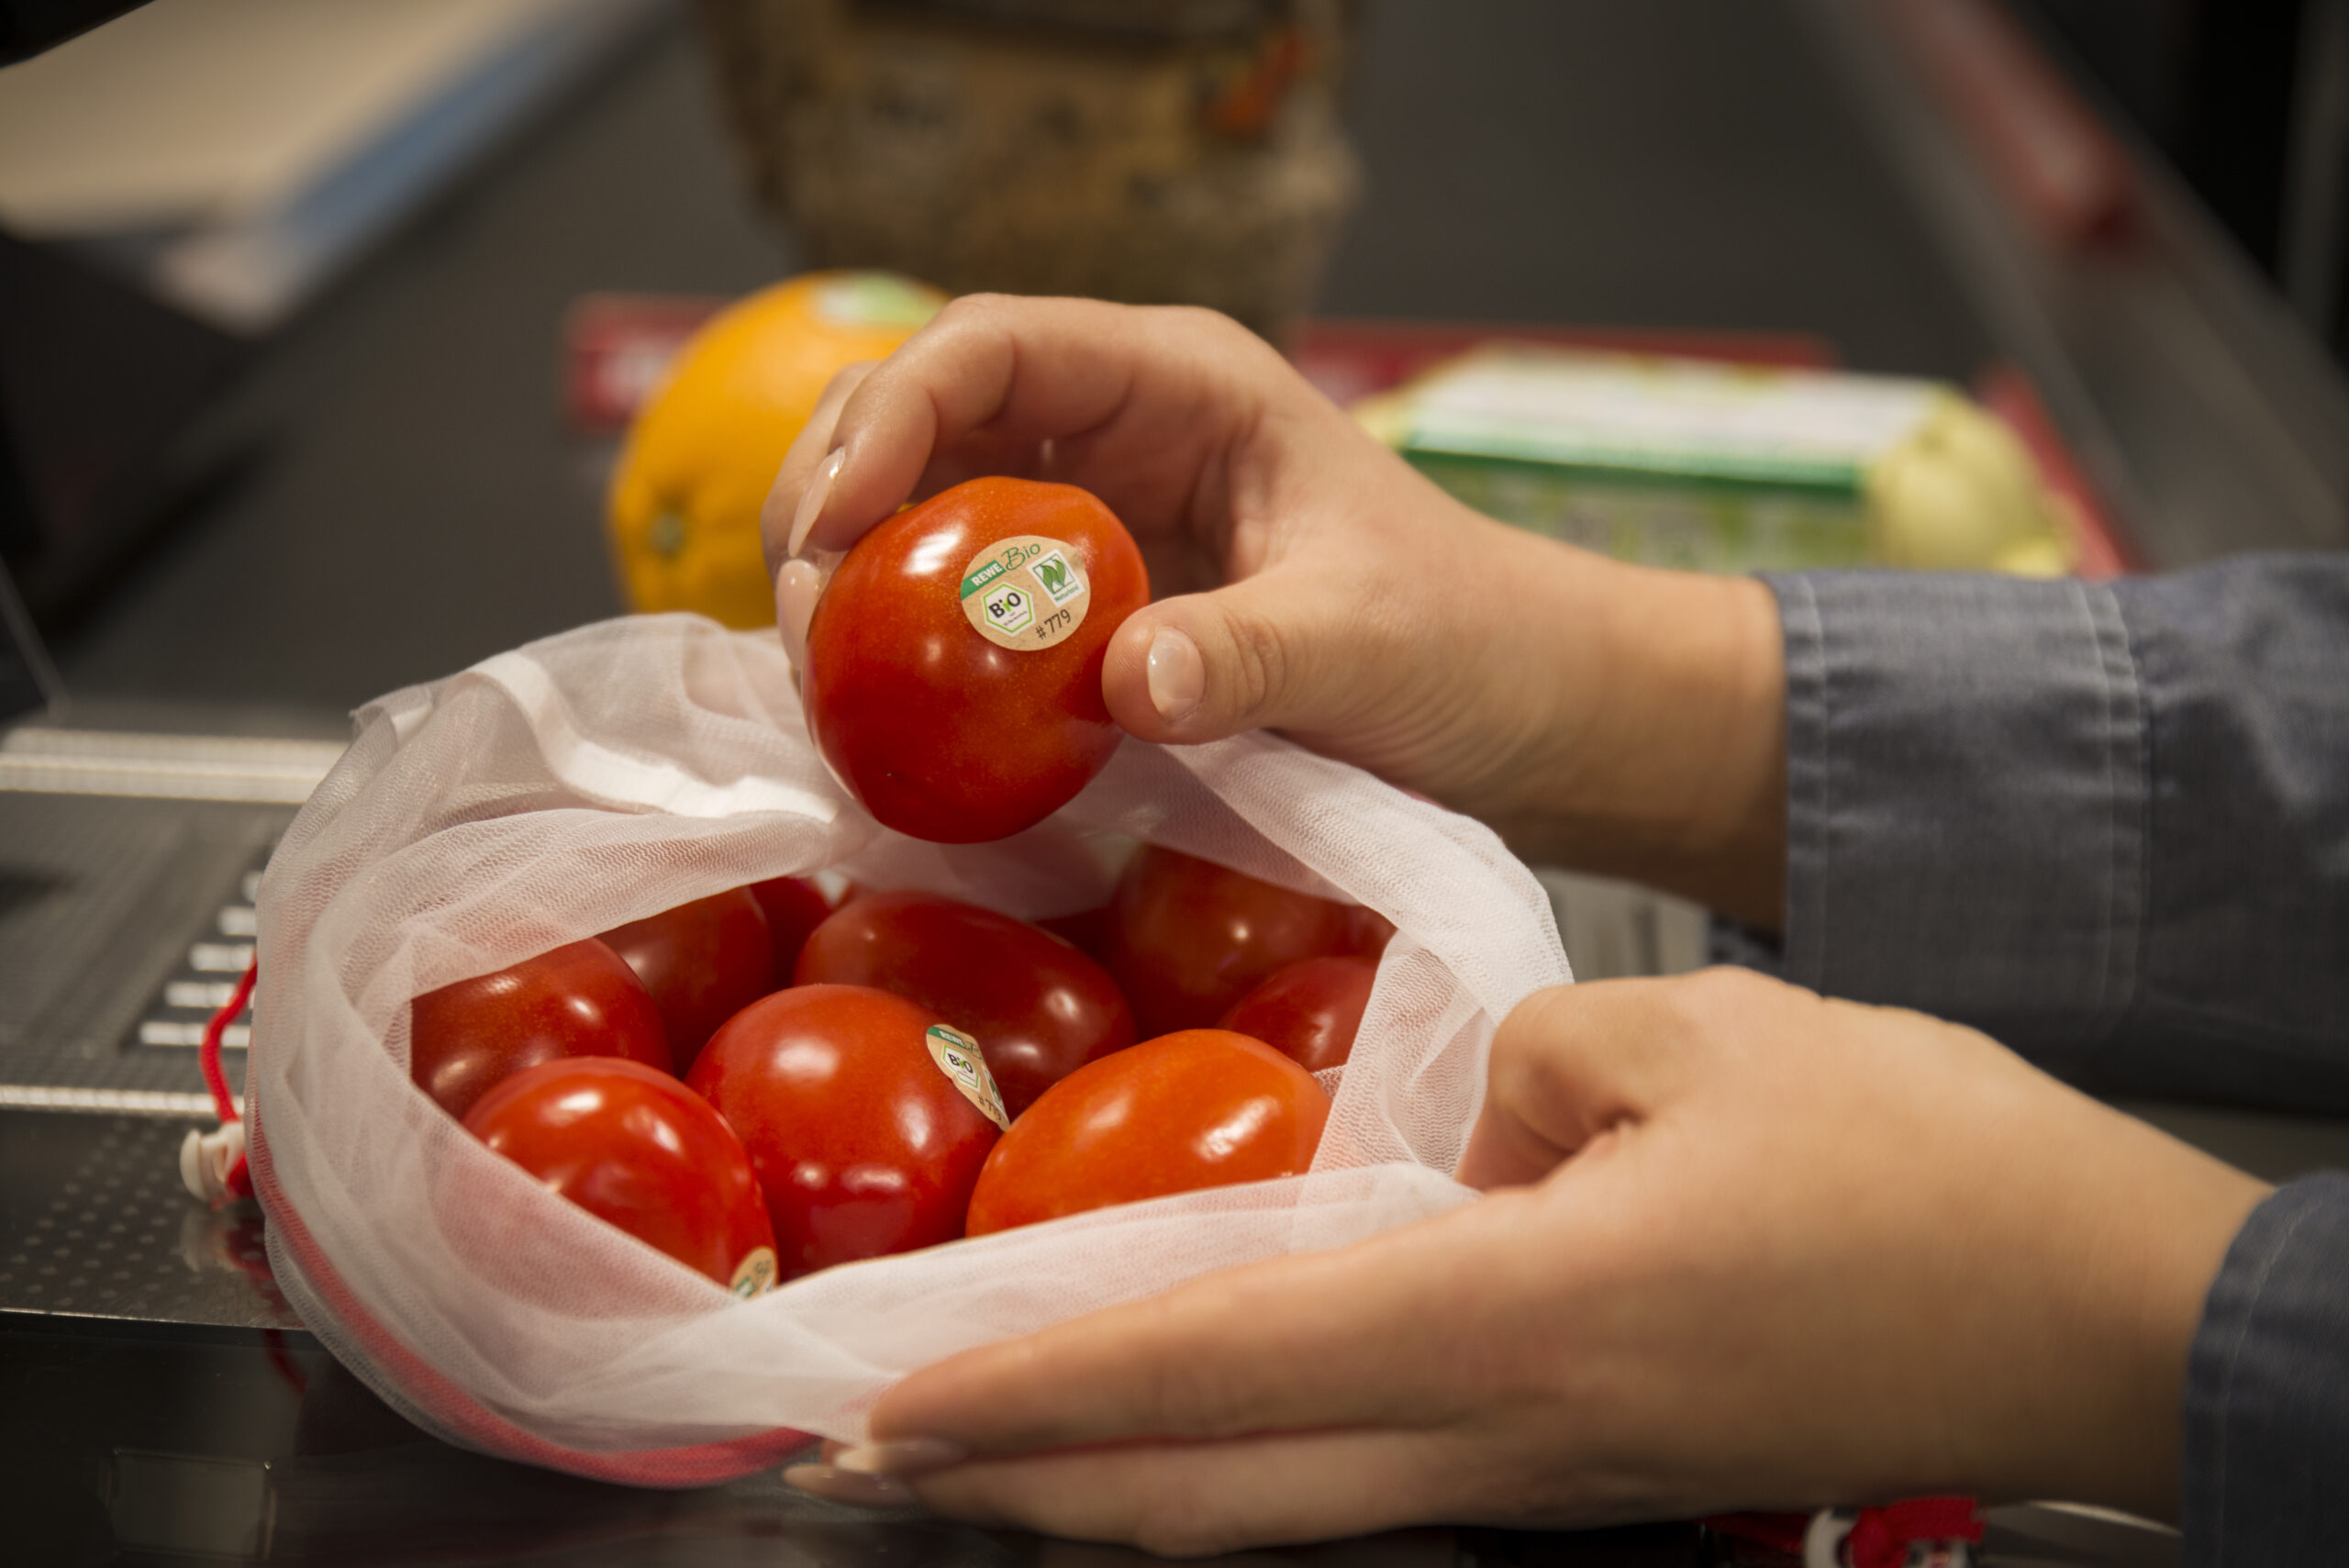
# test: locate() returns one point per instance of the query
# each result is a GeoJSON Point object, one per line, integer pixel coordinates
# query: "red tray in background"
{"type": "Point", "coordinates": [616, 347]}
{"type": "Point", "coordinates": [2101, 548]}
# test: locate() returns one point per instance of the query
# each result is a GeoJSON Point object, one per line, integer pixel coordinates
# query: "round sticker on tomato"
{"type": "Point", "coordinates": [1025, 593]}
{"type": "Point", "coordinates": [756, 1273]}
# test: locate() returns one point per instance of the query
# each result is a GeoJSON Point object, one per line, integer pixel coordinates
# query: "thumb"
{"type": "Point", "coordinates": [1256, 654]}
{"type": "Point", "coordinates": [1573, 1063]}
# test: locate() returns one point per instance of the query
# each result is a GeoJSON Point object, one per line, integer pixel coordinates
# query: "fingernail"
{"type": "Point", "coordinates": [1178, 677]}
{"type": "Point", "coordinates": [837, 1485]}
{"type": "Point", "coordinates": [811, 504]}
{"type": "Point", "coordinates": [905, 1456]}
{"type": "Point", "coordinates": [797, 588]}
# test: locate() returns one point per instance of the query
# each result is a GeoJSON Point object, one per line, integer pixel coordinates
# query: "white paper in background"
{"type": "Point", "coordinates": [1574, 406]}
{"type": "Point", "coordinates": [246, 148]}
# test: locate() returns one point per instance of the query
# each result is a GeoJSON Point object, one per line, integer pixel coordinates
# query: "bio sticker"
{"type": "Point", "coordinates": [755, 1274]}
{"type": "Point", "coordinates": [957, 1055]}
{"type": "Point", "coordinates": [1026, 593]}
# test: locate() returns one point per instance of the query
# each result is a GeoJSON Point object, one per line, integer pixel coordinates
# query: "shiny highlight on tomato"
{"type": "Point", "coordinates": [1198, 1109]}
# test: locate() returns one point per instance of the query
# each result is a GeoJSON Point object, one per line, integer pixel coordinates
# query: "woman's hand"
{"type": "Point", "coordinates": [1310, 581]}
{"type": "Point", "coordinates": [1743, 1249]}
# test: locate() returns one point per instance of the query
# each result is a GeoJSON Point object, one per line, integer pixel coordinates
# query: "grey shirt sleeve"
{"type": "Point", "coordinates": [2266, 1449]}
{"type": "Point", "coordinates": [2107, 823]}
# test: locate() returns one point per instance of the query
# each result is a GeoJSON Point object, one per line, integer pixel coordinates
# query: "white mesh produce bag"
{"type": "Point", "coordinates": [625, 768]}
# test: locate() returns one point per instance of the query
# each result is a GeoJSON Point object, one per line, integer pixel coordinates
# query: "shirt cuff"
{"type": "Point", "coordinates": [2265, 1477]}
{"type": "Point", "coordinates": [1966, 799]}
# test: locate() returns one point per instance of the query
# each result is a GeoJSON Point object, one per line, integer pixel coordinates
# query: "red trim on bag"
{"type": "Point", "coordinates": [272, 1344]}
{"type": "Point", "coordinates": [464, 1418]}
{"type": "Point", "coordinates": [1880, 1537]}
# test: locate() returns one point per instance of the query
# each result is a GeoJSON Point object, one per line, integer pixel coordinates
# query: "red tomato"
{"type": "Point", "coordinates": [1310, 1012]}
{"type": "Point", "coordinates": [1189, 938]}
{"type": "Point", "coordinates": [942, 733]}
{"type": "Point", "coordinates": [636, 1148]}
{"type": "Point", "coordinates": [862, 1140]}
{"type": "Point", "coordinates": [578, 1000]}
{"type": "Point", "coordinates": [703, 961]}
{"type": "Point", "coordinates": [1368, 931]}
{"type": "Point", "coordinates": [794, 907]}
{"type": "Point", "coordinates": [1040, 1008]}
{"type": "Point", "coordinates": [1202, 1109]}
{"type": "Point", "coordinates": [1087, 931]}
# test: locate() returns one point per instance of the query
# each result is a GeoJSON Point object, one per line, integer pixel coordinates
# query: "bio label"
{"type": "Point", "coordinates": [1025, 594]}
{"type": "Point", "coordinates": [957, 1055]}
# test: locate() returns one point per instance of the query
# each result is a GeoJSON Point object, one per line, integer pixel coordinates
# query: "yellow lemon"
{"type": "Point", "coordinates": [683, 506]}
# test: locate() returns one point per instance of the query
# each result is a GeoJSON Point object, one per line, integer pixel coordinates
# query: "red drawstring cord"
{"type": "Point", "coordinates": [212, 1165]}
{"type": "Point", "coordinates": [208, 1057]}
{"type": "Point", "coordinates": [1778, 1532]}
{"type": "Point", "coordinates": [1879, 1538]}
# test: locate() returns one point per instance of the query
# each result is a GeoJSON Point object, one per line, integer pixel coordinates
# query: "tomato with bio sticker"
{"type": "Point", "coordinates": [1198, 1108]}
{"type": "Point", "coordinates": [636, 1148]}
{"type": "Point", "coordinates": [704, 961]}
{"type": "Point", "coordinates": [1189, 938]}
{"type": "Point", "coordinates": [953, 668]}
{"type": "Point", "coordinates": [866, 1117]}
{"type": "Point", "coordinates": [580, 999]}
{"type": "Point", "coordinates": [1039, 1008]}
{"type": "Point", "coordinates": [1309, 1011]}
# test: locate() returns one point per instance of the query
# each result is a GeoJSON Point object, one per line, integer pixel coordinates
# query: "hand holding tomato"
{"type": "Point", "coordinates": [952, 676]}
{"type": "Point", "coordinates": [1039, 1008]}
{"type": "Point", "coordinates": [1601, 714]}
{"type": "Point", "coordinates": [1200, 1109]}
{"type": "Point", "coordinates": [638, 1150]}
{"type": "Point", "coordinates": [579, 999]}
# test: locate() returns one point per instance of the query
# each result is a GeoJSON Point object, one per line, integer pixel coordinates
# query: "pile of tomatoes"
{"type": "Point", "coordinates": [764, 1082]}
{"type": "Point", "coordinates": [763, 1085]}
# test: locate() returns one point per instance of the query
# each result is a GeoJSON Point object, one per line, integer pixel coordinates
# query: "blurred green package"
{"type": "Point", "coordinates": [1719, 467]}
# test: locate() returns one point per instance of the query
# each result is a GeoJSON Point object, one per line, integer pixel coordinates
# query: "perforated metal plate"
{"type": "Point", "coordinates": [94, 1222]}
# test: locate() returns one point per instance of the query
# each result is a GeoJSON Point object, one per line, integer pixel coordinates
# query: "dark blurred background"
{"type": "Point", "coordinates": [2250, 100]}
{"type": "Point", "coordinates": [290, 501]}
